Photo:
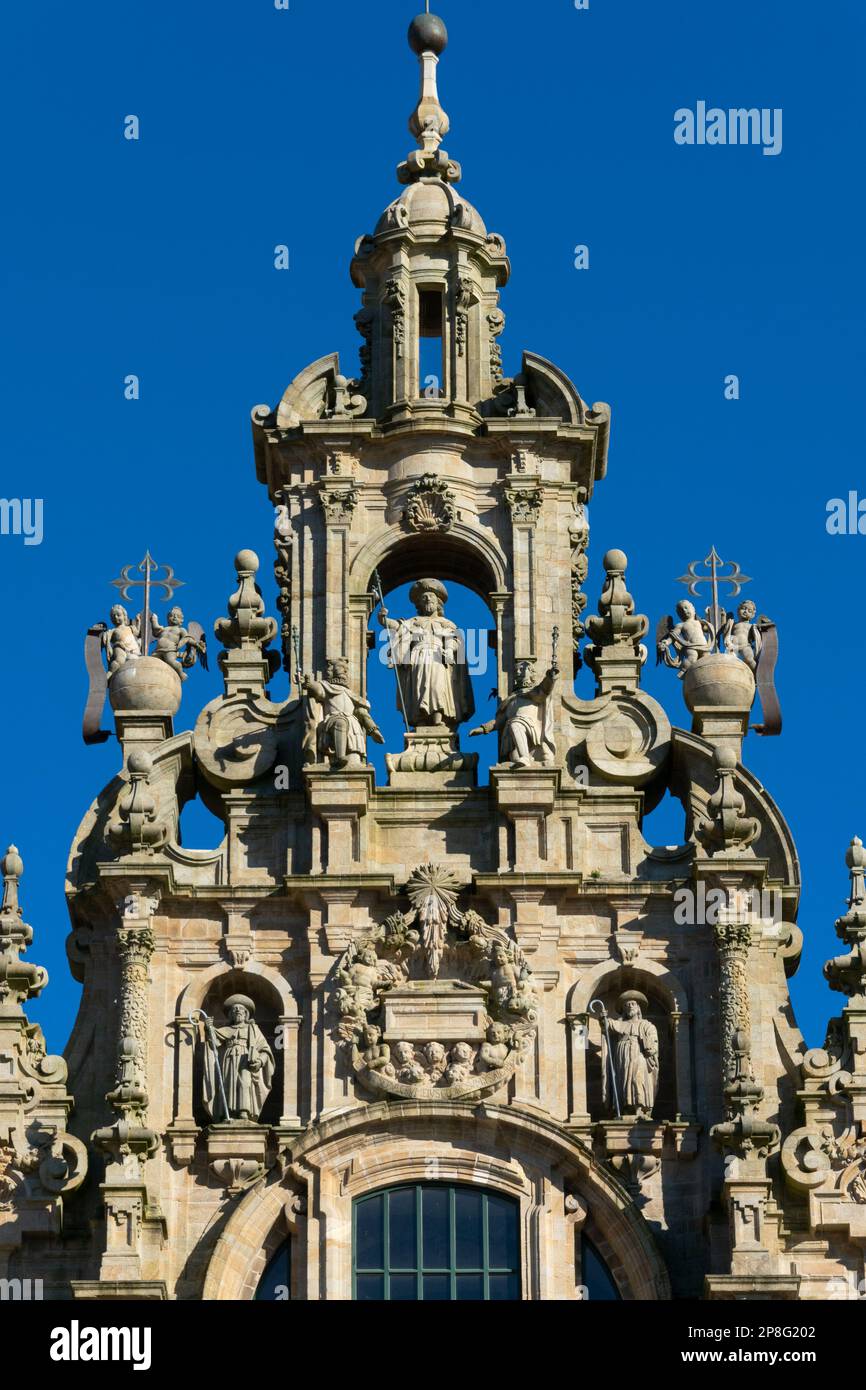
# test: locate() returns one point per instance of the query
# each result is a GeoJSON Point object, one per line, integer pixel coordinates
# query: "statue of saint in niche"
{"type": "Point", "coordinates": [246, 1062]}
{"type": "Point", "coordinates": [429, 654]}
{"type": "Point", "coordinates": [634, 1053]}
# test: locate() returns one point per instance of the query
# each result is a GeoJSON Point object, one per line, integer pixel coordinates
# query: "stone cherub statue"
{"type": "Point", "coordinates": [680, 645]}
{"type": "Point", "coordinates": [524, 720]}
{"type": "Point", "coordinates": [633, 1053]}
{"type": "Point", "coordinates": [742, 636]}
{"type": "Point", "coordinates": [178, 647]}
{"type": "Point", "coordinates": [429, 655]}
{"type": "Point", "coordinates": [123, 640]}
{"type": "Point", "coordinates": [338, 719]}
{"type": "Point", "coordinates": [246, 1062]}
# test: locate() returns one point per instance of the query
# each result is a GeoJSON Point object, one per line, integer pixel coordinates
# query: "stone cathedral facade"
{"type": "Point", "coordinates": [437, 1037]}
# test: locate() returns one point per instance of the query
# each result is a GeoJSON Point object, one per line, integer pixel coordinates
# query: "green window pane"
{"type": "Point", "coordinates": [370, 1233]}
{"type": "Point", "coordinates": [404, 1288]}
{"type": "Point", "coordinates": [470, 1288]}
{"type": "Point", "coordinates": [502, 1233]}
{"type": "Point", "coordinates": [436, 1204]}
{"type": "Point", "coordinates": [437, 1288]}
{"type": "Point", "coordinates": [370, 1288]}
{"type": "Point", "coordinates": [402, 1227]}
{"type": "Point", "coordinates": [469, 1228]}
{"type": "Point", "coordinates": [504, 1288]}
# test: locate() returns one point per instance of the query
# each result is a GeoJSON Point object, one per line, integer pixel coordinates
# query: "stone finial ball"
{"type": "Point", "coordinates": [427, 34]}
{"type": "Point", "coordinates": [246, 561]}
{"type": "Point", "coordinates": [615, 560]}
{"type": "Point", "coordinates": [13, 864]}
{"type": "Point", "coordinates": [140, 763]}
{"type": "Point", "coordinates": [725, 759]}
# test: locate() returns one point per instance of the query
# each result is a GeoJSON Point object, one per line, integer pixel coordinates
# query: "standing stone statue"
{"type": "Point", "coordinates": [246, 1061]}
{"type": "Point", "coordinates": [524, 720]}
{"type": "Point", "coordinates": [338, 719]}
{"type": "Point", "coordinates": [429, 655]}
{"type": "Point", "coordinates": [635, 1054]}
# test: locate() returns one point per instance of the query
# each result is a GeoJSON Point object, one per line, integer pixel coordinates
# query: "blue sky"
{"type": "Point", "coordinates": [261, 126]}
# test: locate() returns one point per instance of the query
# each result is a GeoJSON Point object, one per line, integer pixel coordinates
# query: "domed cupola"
{"type": "Point", "coordinates": [431, 275]}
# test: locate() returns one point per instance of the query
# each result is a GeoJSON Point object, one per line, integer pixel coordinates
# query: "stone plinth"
{"type": "Point", "coordinates": [339, 800]}
{"type": "Point", "coordinates": [526, 796]}
{"type": "Point", "coordinates": [432, 758]}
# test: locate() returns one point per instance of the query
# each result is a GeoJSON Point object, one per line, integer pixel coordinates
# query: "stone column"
{"type": "Point", "coordinates": [290, 1031]}
{"type": "Point", "coordinates": [733, 939]}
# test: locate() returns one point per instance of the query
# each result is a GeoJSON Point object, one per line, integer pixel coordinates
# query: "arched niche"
{"type": "Point", "coordinates": [461, 555]}
{"type": "Point", "coordinates": [560, 1187]}
{"type": "Point", "coordinates": [277, 1015]}
{"type": "Point", "coordinates": [668, 1010]}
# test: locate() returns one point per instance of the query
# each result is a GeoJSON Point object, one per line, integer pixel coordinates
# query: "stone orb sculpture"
{"type": "Point", "coordinates": [145, 683]}
{"type": "Point", "coordinates": [719, 681]}
{"type": "Point", "coordinates": [427, 34]}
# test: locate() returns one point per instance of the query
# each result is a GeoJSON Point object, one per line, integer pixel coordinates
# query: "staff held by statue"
{"type": "Point", "coordinates": [203, 1020]}
{"type": "Point", "coordinates": [380, 599]}
{"type": "Point", "coordinates": [597, 1009]}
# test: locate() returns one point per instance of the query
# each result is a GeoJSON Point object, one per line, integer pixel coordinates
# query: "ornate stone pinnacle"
{"type": "Point", "coordinates": [848, 973]}
{"type": "Point", "coordinates": [19, 980]}
{"type": "Point", "coordinates": [135, 827]}
{"type": "Point", "coordinates": [429, 122]}
{"type": "Point", "coordinates": [744, 1132]}
{"type": "Point", "coordinates": [728, 829]}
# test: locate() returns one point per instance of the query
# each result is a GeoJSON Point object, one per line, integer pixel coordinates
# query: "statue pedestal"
{"type": "Point", "coordinates": [432, 756]}
{"type": "Point", "coordinates": [236, 1152]}
{"type": "Point", "coordinates": [339, 800]}
{"type": "Point", "coordinates": [526, 796]}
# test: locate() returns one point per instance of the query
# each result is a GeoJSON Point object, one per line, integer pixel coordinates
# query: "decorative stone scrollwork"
{"type": "Point", "coordinates": [579, 539]}
{"type": "Point", "coordinates": [496, 324]}
{"type": "Point", "coordinates": [284, 543]}
{"type": "Point", "coordinates": [728, 829]}
{"type": "Point", "coordinates": [395, 299]}
{"type": "Point", "coordinates": [364, 325]}
{"type": "Point", "coordinates": [135, 827]}
{"type": "Point", "coordinates": [430, 505]}
{"type": "Point", "coordinates": [434, 1003]}
{"type": "Point", "coordinates": [463, 296]}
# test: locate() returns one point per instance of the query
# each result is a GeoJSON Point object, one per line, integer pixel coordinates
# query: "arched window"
{"type": "Point", "coordinates": [596, 1277]}
{"type": "Point", "coordinates": [431, 1242]}
{"type": "Point", "coordinates": [276, 1283]}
